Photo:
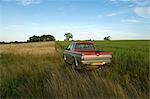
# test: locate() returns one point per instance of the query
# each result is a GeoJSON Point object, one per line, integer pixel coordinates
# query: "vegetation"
{"type": "Point", "coordinates": [32, 39]}
{"type": "Point", "coordinates": [107, 38]}
{"type": "Point", "coordinates": [41, 38]}
{"type": "Point", "coordinates": [36, 70]}
{"type": "Point", "coordinates": [13, 42]}
{"type": "Point", "coordinates": [68, 36]}
{"type": "Point", "coordinates": [130, 66]}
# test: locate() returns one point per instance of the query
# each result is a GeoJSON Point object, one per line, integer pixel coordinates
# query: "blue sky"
{"type": "Point", "coordinates": [86, 19]}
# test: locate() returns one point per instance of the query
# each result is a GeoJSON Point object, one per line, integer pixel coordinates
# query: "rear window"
{"type": "Point", "coordinates": [84, 46]}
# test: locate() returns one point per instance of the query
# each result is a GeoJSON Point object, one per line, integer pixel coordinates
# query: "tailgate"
{"type": "Point", "coordinates": [97, 58]}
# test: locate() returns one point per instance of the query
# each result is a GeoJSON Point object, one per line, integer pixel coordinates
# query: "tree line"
{"type": "Point", "coordinates": [33, 39]}
{"type": "Point", "coordinates": [41, 38]}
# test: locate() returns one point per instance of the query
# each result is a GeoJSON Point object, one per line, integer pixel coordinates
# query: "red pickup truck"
{"type": "Point", "coordinates": [83, 55]}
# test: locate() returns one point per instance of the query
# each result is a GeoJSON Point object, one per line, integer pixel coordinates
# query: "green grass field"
{"type": "Point", "coordinates": [36, 70]}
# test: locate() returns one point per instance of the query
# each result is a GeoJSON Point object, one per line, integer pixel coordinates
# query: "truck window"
{"type": "Point", "coordinates": [84, 46]}
{"type": "Point", "coordinates": [70, 47]}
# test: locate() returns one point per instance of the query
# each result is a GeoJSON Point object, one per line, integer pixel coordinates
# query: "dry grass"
{"type": "Point", "coordinates": [29, 48]}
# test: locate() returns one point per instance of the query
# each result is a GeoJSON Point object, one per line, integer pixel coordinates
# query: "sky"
{"type": "Point", "coordinates": [85, 19]}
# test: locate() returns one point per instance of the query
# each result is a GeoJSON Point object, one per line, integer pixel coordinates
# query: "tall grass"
{"type": "Point", "coordinates": [130, 66]}
{"type": "Point", "coordinates": [36, 70]}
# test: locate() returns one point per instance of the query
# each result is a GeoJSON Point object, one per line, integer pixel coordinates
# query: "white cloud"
{"type": "Point", "coordinates": [140, 7]}
{"type": "Point", "coordinates": [27, 2]}
{"type": "Point", "coordinates": [86, 31]}
{"type": "Point", "coordinates": [130, 20]}
{"type": "Point", "coordinates": [112, 14]}
{"type": "Point", "coordinates": [142, 11]}
{"type": "Point", "coordinates": [133, 2]}
{"type": "Point", "coordinates": [24, 2]}
{"type": "Point", "coordinates": [14, 27]}
{"type": "Point", "coordinates": [83, 32]}
{"type": "Point", "coordinates": [112, 0]}
{"type": "Point", "coordinates": [141, 2]}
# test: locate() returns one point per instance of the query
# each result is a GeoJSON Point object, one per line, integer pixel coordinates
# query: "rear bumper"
{"type": "Point", "coordinates": [90, 65]}
{"type": "Point", "coordinates": [96, 63]}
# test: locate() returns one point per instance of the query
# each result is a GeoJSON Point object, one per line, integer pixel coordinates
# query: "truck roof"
{"type": "Point", "coordinates": [83, 42]}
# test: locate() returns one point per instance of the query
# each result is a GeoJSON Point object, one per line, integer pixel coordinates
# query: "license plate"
{"type": "Point", "coordinates": [98, 63]}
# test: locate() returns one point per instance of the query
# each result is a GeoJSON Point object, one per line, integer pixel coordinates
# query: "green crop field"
{"type": "Point", "coordinates": [36, 70]}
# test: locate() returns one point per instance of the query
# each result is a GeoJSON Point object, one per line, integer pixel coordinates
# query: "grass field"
{"type": "Point", "coordinates": [36, 70]}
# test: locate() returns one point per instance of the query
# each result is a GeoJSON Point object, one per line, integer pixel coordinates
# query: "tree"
{"type": "Point", "coordinates": [107, 38]}
{"type": "Point", "coordinates": [47, 38]}
{"type": "Point", "coordinates": [34, 39]}
{"type": "Point", "coordinates": [68, 36]}
{"type": "Point", "coordinates": [41, 38]}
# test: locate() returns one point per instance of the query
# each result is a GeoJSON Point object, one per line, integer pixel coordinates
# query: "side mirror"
{"type": "Point", "coordinates": [67, 48]}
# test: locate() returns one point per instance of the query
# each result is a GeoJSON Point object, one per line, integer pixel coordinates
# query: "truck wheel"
{"type": "Point", "coordinates": [74, 66]}
{"type": "Point", "coordinates": [64, 58]}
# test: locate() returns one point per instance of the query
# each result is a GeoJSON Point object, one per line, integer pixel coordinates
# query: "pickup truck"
{"type": "Point", "coordinates": [83, 55]}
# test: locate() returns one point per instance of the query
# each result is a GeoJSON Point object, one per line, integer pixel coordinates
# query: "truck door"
{"type": "Point", "coordinates": [69, 53]}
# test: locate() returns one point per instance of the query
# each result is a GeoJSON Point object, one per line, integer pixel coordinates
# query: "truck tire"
{"type": "Point", "coordinates": [73, 66]}
{"type": "Point", "coordinates": [64, 58]}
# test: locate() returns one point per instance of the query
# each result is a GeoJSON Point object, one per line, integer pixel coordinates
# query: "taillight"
{"type": "Point", "coordinates": [97, 54]}
{"type": "Point", "coordinates": [82, 57]}
{"type": "Point", "coordinates": [110, 59]}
